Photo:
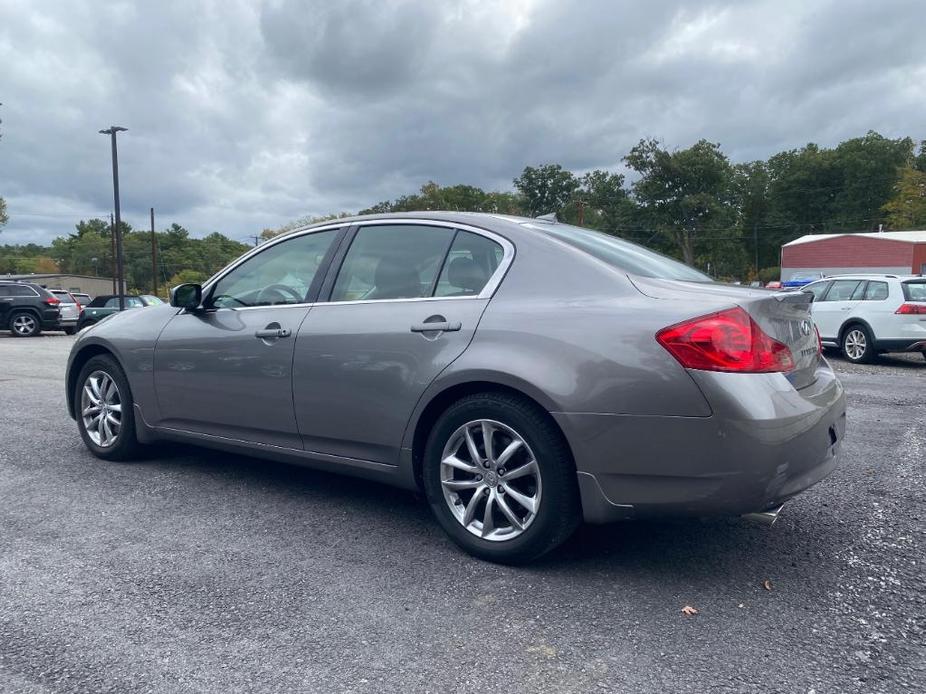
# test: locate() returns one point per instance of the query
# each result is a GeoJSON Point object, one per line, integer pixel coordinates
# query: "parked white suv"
{"type": "Point", "coordinates": [865, 315]}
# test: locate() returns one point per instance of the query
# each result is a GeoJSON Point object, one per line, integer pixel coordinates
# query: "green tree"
{"type": "Point", "coordinates": [683, 194]}
{"type": "Point", "coordinates": [907, 208]}
{"type": "Point", "coordinates": [546, 189]}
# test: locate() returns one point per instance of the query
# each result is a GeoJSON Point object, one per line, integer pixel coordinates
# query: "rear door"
{"type": "Point", "coordinates": [403, 305]}
{"type": "Point", "coordinates": [832, 310]}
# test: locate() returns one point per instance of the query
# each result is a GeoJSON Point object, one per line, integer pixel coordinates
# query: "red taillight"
{"type": "Point", "coordinates": [52, 301]}
{"type": "Point", "coordinates": [912, 310]}
{"type": "Point", "coordinates": [726, 341]}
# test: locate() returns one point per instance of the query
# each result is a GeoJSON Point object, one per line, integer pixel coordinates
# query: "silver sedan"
{"type": "Point", "coordinates": [524, 374]}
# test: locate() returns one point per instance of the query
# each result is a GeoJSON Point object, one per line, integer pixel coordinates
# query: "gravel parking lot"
{"type": "Point", "coordinates": [195, 570]}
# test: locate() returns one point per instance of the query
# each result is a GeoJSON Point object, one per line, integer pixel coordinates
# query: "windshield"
{"type": "Point", "coordinates": [151, 300]}
{"type": "Point", "coordinates": [621, 254]}
{"type": "Point", "coordinates": [64, 297]}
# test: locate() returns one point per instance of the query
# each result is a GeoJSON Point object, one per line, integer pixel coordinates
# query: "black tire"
{"type": "Point", "coordinates": [126, 446]}
{"type": "Point", "coordinates": [70, 331]}
{"type": "Point", "coordinates": [853, 336]}
{"type": "Point", "coordinates": [559, 511]}
{"type": "Point", "coordinates": [24, 324]}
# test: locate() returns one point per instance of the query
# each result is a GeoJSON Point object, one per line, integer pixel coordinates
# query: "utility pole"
{"type": "Point", "coordinates": [154, 257]}
{"type": "Point", "coordinates": [755, 241]}
{"type": "Point", "coordinates": [120, 267]}
{"type": "Point", "coordinates": [256, 239]}
{"type": "Point", "coordinates": [112, 242]}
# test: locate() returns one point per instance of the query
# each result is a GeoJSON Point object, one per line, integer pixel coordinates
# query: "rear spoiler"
{"type": "Point", "coordinates": [794, 297]}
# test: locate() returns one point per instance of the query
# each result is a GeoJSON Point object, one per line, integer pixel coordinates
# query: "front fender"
{"type": "Point", "coordinates": [130, 336]}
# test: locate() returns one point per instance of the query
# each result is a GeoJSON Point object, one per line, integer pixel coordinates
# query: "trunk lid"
{"type": "Point", "coordinates": [784, 316]}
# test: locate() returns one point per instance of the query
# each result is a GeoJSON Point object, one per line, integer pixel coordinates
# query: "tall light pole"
{"type": "Point", "coordinates": [120, 269]}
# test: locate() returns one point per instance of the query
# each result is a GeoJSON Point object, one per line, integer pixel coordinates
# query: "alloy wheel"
{"type": "Point", "coordinates": [24, 324]}
{"type": "Point", "coordinates": [491, 480]}
{"type": "Point", "coordinates": [855, 344]}
{"type": "Point", "coordinates": [101, 409]}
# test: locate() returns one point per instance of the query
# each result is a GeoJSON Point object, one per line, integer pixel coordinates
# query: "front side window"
{"type": "Point", "coordinates": [281, 274]}
{"type": "Point", "coordinates": [877, 291]}
{"type": "Point", "coordinates": [818, 289]}
{"type": "Point", "coordinates": [129, 302]}
{"type": "Point", "coordinates": [398, 261]}
{"type": "Point", "coordinates": [842, 290]}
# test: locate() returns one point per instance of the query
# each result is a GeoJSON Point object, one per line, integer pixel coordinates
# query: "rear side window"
{"type": "Point", "coordinates": [21, 290]}
{"type": "Point", "coordinates": [620, 254]}
{"type": "Point", "coordinates": [877, 291]}
{"type": "Point", "coordinates": [914, 291]}
{"type": "Point", "coordinates": [398, 261]}
{"type": "Point", "coordinates": [472, 260]}
{"type": "Point", "coordinates": [842, 290]}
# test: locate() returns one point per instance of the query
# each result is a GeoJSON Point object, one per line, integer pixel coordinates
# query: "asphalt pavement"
{"type": "Point", "coordinates": [200, 571]}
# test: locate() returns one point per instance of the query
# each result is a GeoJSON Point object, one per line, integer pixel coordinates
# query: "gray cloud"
{"type": "Point", "coordinates": [245, 115]}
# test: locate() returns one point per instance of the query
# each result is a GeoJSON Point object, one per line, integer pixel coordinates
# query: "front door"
{"type": "Point", "coordinates": [405, 304]}
{"type": "Point", "coordinates": [832, 310]}
{"type": "Point", "coordinates": [226, 369]}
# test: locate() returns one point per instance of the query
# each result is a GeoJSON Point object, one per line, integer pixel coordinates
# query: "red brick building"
{"type": "Point", "coordinates": [890, 252]}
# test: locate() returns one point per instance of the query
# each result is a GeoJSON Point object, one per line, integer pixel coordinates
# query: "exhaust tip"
{"type": "Point", "coordinates": [766, 518]}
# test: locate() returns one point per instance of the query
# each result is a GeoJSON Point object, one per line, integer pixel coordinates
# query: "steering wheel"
{"type": "Point", "coordinates": [280, 289]}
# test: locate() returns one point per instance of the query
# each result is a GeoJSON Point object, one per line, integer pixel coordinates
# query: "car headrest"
{"type": "Point", "coordinates": [395, 280]}
{"type": "Point", "coordinates": [466, 274]}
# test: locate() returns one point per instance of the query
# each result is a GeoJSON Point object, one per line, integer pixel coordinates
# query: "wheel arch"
{"type": "Point", "coordinates": [855, 321]}
{"type": "Point", "coordinates": [24, 309]}
{"type": "Point", "coordinates": [77, 363]}
{"type": "Point", "coordinates": [438, 402]}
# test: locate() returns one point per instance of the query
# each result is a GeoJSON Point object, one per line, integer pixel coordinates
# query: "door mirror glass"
{"type": "Point", "coordinates": [187, 296]}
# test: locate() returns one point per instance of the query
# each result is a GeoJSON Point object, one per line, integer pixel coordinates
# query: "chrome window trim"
{"type": "Point", "coordinates": [508, 253]}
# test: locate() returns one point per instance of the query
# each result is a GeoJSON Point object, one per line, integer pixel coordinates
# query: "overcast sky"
{"type": "Point", "coordinates": [245, 115]}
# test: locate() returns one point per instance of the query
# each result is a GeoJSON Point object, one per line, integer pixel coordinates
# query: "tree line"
{"type": "Point", "coordinates": [693, 203]}
{"type": "Point", "coordinates": [88, 251]}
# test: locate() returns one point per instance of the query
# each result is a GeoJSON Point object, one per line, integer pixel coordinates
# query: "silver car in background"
{"type": "Point", "coordinates": [524, 374]}
{"type": "Point", "coordinates": [70, 310]}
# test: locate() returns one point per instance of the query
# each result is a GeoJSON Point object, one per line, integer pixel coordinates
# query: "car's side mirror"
{"type": "Point", "coordinates": [188, 296]}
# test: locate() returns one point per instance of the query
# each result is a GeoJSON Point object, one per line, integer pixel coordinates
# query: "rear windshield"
{"type": "Point", "coordinates": [621, 254]}
{"type": "Point", "coordinates": [64, 297]}
{"type": "Point", "coordinates": [914, 291]}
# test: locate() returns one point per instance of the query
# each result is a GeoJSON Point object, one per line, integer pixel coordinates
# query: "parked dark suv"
{"type": "Point", "coordinates": [26, 309]}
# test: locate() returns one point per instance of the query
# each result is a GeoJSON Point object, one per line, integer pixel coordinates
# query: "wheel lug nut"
{"type": "Point", "coordinates": [486, 492]}
{"type": "Point", "coordinates": [501, 471]}
{"type": "Point", "coordinates": [501, 489]}
{"type": "Point", "coordinates": [479, 478]}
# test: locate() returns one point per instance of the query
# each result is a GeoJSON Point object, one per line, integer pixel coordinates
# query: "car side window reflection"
{"type": "Point", "coordinates": [472, 260]}
{"type": "Point", "coordinates": [398, 261]}
{"type": "Point", "coordinates": [818, 289]}
{"type": "Point", "coordinates": [281, 274]}
{"type": "Point", "coordinates": [842, 290]}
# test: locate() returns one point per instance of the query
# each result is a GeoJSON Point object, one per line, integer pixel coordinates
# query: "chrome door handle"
{"type": "Point", "coordinates": [443, 327]}
{"type": "Point", "coordinates": [272, 333]}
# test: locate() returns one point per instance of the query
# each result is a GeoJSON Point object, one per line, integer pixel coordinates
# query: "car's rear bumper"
{"type": "Point", "coordinates": [764, 443]}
